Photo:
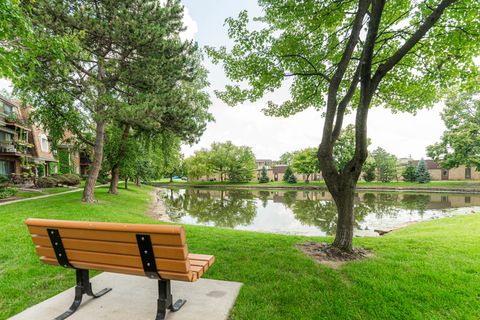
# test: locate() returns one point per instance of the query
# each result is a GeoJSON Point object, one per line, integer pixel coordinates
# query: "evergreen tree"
{"type": "Point", "coordinates": [289, 176]}
{"type": "Point", "coordinates": [422, 174]}
{"type": "Point", "coordinates": [264, 176]}
{"type": "Point", "coordinates": [369, 169]}
{"type": "Point", "coordinates": [410, 172]}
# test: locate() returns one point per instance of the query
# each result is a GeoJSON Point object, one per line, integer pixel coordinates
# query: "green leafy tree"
{"type": "Point", "coordinates": [386, 165]}
{"type": "Point", "coordinates": [460, 143]}
{"type": "Point", "coordinates": [306, 162]}
{"type": "Point", "coordinates": [122, 48]}
{"type": "Point", "coordinates": [409, 173]}
{"type": "Point", "coordinates": [235, 163]}
{"type": "Point", "coordinates": [289, 176]}
{"type": "Point", "coordinates": [263, 176]}
{"type": "Point", "coordinates": [286, 158]}
{"type": "Point", "coordinates": [422, 174]}
{"type": "Point", "coordinates": [197, 166]}
{"type": "Point", "coordinates": [345, 56]}
{"type": "Point", "coordinates": [369, 169]}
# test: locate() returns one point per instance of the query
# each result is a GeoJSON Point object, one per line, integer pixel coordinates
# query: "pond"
{"type": "Point", "coordinates": [310, 213]}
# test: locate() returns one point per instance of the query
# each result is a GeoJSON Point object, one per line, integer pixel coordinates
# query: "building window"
{"type": "Point", "coordinates": [44, 143]}
{"type": "Point", "coordinates": [6, 167]}
{"type": "Point", "coordinates": [468, 173]}
{"type": "Point", "coordinates": [7, 109]}
{"type": "Point", "coordinates": [5, 137]}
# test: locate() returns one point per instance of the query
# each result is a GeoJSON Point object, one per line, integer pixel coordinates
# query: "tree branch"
{"type": "Point", "coordinates": [412, 41]}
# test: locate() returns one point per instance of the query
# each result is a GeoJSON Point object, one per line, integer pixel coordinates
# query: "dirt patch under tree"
{"type": "Point", "coordinates": [330, 256]}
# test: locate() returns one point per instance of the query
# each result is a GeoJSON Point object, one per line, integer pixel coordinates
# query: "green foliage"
{"type": "Point", "coordinates": [286, 158]}
{"type": "Point", "coordinates": [52, 167]}
{"type": "Point", "coordinates": [65, 163]}
{"type": "Point", "coordinates": [460, 143]}
{"type": "Point", "coordinates": [263, 176]}
{"type": "Point", "coordinates": [235, 163]}
{"type": "Point", "coordinates": [7, 192]}
{"type": "Point", "coordinates": [197, 166]}
{"type": "Point", "coordinates": [422, 174]}
{"type": "Point", "coordinates": [46, 182]}
{"type": "Point", "coordinates": [40, 169]}
{"type": "Point", "coordinates": [369, 169]}
{"type": "Point", "coordinates": [289, 176]}
{"type": "Point", "coordinates": [306, 162]}
{"type": "Point", "coordinates": [409, 174]}
{"type": "Point", "coordinates": [386, 165]}
{"type": "Point", "coordinates": [68, 179]}
{"type": "Point", "coordinates": [298, 48]}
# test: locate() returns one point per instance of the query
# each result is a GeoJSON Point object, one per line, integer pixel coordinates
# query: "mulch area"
{"type": "Point", "coordinates": [330, 256]}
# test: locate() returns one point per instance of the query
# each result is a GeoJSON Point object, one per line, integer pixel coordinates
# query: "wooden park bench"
{"type": "Point", "coordinates": [156, 251]}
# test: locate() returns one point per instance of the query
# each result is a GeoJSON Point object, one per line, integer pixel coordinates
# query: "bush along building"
{"type": "Point", "coordinates": [25, 150]}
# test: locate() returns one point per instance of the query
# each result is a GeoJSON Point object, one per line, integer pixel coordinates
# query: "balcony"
{"type": "Point", "coordinates": [16, 148]}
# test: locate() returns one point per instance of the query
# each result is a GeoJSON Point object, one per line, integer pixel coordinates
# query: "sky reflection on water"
{"type": "Point", "coordinates": [309, 213]}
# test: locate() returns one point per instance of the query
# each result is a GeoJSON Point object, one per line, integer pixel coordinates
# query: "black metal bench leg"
{"type": "Point", "coordinates": [83, 287]}
{"type": "Point", "coordinates": [165, 300]}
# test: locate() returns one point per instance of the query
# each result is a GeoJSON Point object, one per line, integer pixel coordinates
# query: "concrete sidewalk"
{"type": "Point", "coordinates": [47, 195]}
{"type": "Point", "coordinates": [135, 298]}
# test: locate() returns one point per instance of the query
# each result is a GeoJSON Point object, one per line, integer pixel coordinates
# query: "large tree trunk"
{"type": "Point", "coordinates": [115, 178]}
{"type": "Point", "coordinates": [126, 183]}
{"type": "Point", "coordinates": [345, 220]}
{"type": "Point", "coordinates": [116, 167]}
{"type": "Point", "coordinates": [88, 191]}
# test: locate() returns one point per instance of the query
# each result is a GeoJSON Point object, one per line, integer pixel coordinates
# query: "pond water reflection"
{"type": "Point", "coordinates": [307, 212]}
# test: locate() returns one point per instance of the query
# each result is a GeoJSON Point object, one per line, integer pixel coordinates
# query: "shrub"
{"type": "Point", "coordinates": [288, 173]}
{"type": "Point", "coordinates": [68, 179]}
{"type": "Point", "coordinates": [410, 172]}
{"type": "Point", "coordinates": [3, 180]}
{"type": "Point", "coordinates": [46, 182]}
{"type": "Point", "coordinates": [7, 192]}
{"type": "Point", "coordinates": [263, 176]}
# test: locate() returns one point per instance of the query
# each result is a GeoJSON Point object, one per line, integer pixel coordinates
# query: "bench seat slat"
{"type": "Point", "coordinates": [167, 252]}
{"type": "Point", "coordinates": [204, 257]}
{"type": "Point", "coordinates": [111, 236]}
{"type": "Point", "coordinates": [190, 276]}
{"type": "Point", "coordinates": [116, 259]}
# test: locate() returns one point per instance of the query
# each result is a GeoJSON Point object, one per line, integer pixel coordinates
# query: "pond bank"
{"type": "Point", "coordinates": [320, 187]}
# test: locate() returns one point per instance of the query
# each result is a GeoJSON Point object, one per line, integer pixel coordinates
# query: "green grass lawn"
{"type": "Point", "coordinates": [375, 184]}
{"type": "Point", "coordinates": [426, 271]}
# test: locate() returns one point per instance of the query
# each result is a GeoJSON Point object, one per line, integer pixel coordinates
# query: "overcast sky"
{"type": "Point", "coordinates": [269, 137]}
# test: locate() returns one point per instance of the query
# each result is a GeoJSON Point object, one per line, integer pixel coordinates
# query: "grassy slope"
{"type": "Point", "coordinates": [426, 271]}
{"type": "Point", "coordinates": [375, 184]}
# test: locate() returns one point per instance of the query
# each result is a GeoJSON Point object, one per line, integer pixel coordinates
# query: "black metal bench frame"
{"type": "Point", "coordinates": [84, 285]}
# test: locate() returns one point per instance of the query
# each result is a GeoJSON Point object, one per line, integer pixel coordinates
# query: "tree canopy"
{"type": "Point", "coordinates": [235, 163]}
{"type": "Point", "coordinates": [460, 143]}
{"type": "Point", "coordinates": [306, 162]}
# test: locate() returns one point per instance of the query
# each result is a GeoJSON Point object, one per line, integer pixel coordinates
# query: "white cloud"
{"type": "Point", "coordinates": [190, 24]}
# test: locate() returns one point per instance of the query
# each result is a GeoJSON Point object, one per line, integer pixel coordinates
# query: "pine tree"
{"type": "Point", "coordinates": [410, 172]}
{"type": "Point", "coordinates": [422, 174]}
{"type": "Point", "coordinates": [263, 176]}
{"type": "Point", "coordinates": [289, 176]}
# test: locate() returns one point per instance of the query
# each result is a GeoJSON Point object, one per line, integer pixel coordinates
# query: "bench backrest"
{"type": "Point", "coordinates": [114, 247]}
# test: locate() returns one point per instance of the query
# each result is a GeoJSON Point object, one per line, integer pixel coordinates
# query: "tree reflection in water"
{"type": "Point", "coordinates": [223, 208]}
{"type": "Point", "coordinates": [231, 208]}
